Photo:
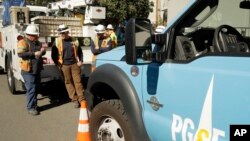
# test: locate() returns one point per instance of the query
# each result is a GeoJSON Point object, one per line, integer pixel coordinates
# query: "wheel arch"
{"type": "Point", "coordinates": [115, 84]}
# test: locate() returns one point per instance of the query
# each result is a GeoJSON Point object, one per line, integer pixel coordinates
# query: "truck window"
{"type": "Point", "coordinates": [196, 36]}
{"type": "Point", "coordinates": [37, 13]}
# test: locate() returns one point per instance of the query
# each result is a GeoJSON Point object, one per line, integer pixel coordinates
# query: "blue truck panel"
{"type": "Point", "coordinates": [192, 85]}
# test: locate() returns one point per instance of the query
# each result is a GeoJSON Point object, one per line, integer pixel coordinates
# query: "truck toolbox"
{"type": "Point", "coordinates": [48, 25]}
{"type": "Point", "coordinates": [16, 12]}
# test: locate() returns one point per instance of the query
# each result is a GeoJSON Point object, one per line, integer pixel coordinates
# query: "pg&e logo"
{"type": "Point", "coordinates": [239, 132]}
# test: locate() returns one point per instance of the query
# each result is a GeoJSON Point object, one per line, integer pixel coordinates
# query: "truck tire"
{"type": "Point", "coordinates": [109, 121]}
{"type": "Point", "coordinates": [10, 78]}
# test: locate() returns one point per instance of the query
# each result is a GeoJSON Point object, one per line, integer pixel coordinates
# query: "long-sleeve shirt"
{"type": "Point", "coordinates": [29, 54]}
{"type": "Point", "coordinates": [103, 44]}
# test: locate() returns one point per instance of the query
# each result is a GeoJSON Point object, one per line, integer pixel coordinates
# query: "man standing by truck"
{"type": "Point", "coordinates": [67, 54]}
{"type": "Point", "coordinates": [101, 44]}
{"type": "Point", "coordinates": [30, 51]}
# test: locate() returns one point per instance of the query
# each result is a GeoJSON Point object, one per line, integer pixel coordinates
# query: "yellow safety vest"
{"type": "Point", "coordinates": [114, 39]}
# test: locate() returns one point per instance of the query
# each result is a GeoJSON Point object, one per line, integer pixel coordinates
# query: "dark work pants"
{"type": "Point", "coordinates": [72, 78]}
{"type": "Point", "coordinates": [32, 82]}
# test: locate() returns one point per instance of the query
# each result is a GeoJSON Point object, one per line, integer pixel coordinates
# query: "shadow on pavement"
{"type": "Point", "coordinates": [56, 92]}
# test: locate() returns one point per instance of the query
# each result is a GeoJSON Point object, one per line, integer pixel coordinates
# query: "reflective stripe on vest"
{"type": "Point", "coordinates": [24, 46]}
{"type": "Point", "coordinates": [59, 45]}
{"type": "Point", "coordinates": [104, 42]}
{"type": "Point", "coordinates": [103, 45]}
{"type": "Point", "coordinates": [114, 39]}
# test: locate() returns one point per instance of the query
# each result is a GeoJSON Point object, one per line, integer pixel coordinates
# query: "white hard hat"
{"type": "Point", "coordinates": [32, 30]}
{"type": "Point", "coordinates": [110, 26]}
{"type": "Point", "coordinates": [100, 28]}
{"type": "Point", "coordinates": [62, 28]}
{"type": "Point", "coordinates": [159, 28]}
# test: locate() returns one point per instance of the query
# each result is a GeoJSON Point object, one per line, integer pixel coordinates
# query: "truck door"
{"type": "Point", "coordinates": [192, 100]}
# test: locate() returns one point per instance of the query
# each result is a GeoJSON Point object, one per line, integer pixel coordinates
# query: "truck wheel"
{"type": "Point", "coordinates": [109, 122]}
{"type": "Point", "coordinates": [10, 78]}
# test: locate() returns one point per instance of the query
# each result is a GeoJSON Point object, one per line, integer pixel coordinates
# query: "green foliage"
{"type": "Point", "coordinates": [119, 10]}
{"type": "Point", "coordinates": [39, 2]}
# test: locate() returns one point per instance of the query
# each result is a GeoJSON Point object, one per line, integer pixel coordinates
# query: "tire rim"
{"type": "Point", "coordinates": [110, 130]}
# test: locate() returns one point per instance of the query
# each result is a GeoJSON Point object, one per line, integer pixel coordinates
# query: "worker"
{"type": "Point", "coordinates": [111, 33]}
{"type": "Point", "coordinates": [159, 29]}
{"type": "Point", "coordinates": [68, 56]}
{"type": "Point", "coordinates": [102, 42]}
{"type": "Point", "coordinates": [30, 51]}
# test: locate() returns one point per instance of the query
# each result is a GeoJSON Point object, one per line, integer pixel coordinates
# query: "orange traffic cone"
{"type": "Point", "coordinates": [83, 126]}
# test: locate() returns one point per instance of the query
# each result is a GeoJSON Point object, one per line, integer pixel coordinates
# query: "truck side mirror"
{"type": "Point", "coordinates": [138, 44]}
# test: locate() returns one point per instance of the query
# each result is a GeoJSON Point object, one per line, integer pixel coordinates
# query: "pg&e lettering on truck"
{"type": "Point", "coordinates": [188, 83]}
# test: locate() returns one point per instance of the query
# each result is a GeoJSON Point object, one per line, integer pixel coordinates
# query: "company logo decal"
{"type": "Point", "coordinates": [205, 132]}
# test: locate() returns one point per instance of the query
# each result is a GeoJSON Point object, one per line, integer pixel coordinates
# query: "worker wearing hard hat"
{"type": "Point", "coordinates": [67, 54]}
{"type": "Point", "coordinates": [159, 29]}
{"type": "Point", "coordinates": [30, 51]}
{"type": "Point", "coordinates": [102, 42]}
{"type": "Point", "coordinates": [112, 35]}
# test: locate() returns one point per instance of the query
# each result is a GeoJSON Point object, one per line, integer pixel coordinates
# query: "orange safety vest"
{"type": "Point", "coordinates": [104, 45]}
{"type": "Point", "coordinates": [59, 45]}
{"type": "Point", "coordinates": [23, 46]}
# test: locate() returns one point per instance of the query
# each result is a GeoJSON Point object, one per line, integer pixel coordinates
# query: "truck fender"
{"type": "Point", "coordinates": [119, 81]}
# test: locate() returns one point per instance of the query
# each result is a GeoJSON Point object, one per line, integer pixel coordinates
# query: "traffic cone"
{"type": "Point", "coordinates": [83, 126]}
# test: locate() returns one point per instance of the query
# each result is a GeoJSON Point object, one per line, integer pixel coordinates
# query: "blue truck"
{"type": "Point", "coordinates": [188, 83]}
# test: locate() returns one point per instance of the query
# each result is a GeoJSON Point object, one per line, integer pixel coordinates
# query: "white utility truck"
{"type": "Point", "coordinates": [19, 18]}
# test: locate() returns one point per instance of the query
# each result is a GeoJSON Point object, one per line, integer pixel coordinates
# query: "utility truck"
{"type": "Point", "coordinates": [89, 14]}
{"type": "Point", "coordinates": [14, 22]}
{"type": "Point", "coordinates": [189, 83]}
{"type": "Point", "coordinates": [13, 26]}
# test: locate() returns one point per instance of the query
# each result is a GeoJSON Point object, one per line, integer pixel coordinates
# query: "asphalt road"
{"type": "Point", "coordinates": [58, 120]}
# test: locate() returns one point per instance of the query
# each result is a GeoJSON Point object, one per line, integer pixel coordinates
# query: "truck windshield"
{"type": "Point", "coordinates": [229, 12]}
{"type": "Point", "coordinates": [216, 26]}
{"type": "Point", "coordinates": [226, 12]}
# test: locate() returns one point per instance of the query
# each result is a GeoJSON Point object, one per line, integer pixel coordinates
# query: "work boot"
{"type": "Point", "coordinates": [33, 112]}
{"type": "Point", "coordinates": [76, 104]}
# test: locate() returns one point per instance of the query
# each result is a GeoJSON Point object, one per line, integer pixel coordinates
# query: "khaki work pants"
{"type": "Point", "coordinates": [72, 79]}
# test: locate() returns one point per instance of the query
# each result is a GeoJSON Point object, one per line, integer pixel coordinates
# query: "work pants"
{"type": "Point", "coordinates": [32, 82]}
{"type": "Point", "coordinates": [72, 79]}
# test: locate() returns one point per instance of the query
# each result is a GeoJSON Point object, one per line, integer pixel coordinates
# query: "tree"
{"type": "Point", "coordinates": [39, 2]}
{"type": "Point", "coordinates": [118, 11]}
